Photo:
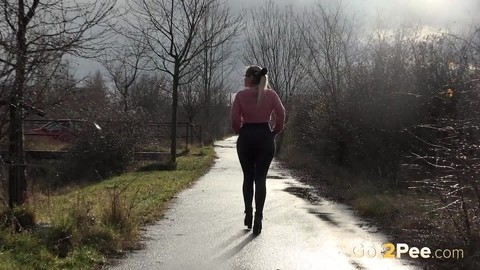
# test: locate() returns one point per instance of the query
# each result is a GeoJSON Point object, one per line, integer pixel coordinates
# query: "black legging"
{"type": "Point", "coordinates": [255, 149]}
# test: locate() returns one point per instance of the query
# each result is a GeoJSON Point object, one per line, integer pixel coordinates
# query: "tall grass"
{"type": "Point", "coordinates": [82, 228]}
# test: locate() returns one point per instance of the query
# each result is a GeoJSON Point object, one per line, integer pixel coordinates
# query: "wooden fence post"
{"type": "Point", "coordinates": [191, 132]}
{"type": "Point", "coordinates": [186, 136]}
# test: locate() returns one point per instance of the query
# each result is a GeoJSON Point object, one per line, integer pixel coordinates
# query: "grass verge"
{"type": "Point", "coordinates": [84, 227]}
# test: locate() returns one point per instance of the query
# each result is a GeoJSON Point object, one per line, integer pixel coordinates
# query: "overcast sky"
{"type": "Point", "coordinates": [435, 13]}
{"type": "Point", "coordinates": [385, 14]}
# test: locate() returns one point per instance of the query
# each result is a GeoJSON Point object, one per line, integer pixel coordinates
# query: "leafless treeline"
{"type": "Point", "coordinates": [375, 103]}
{"type": "Point", "coordinates": [151, 49]}
{"type": "Point", "coordinates": [35, 34]}
{"type": "Point", "coordinates": [398, 105]}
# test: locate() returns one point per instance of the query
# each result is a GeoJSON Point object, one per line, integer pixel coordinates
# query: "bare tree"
{"type": "Point", "coordinates": [43, 31]}
{"type": "Point", "coordinates": [53, 86]}
{"type": "Point", "coordinates": [190, 98]}
{"type": "Point", "coordinates": [124, 64]}
{"type": "Point", "coordinates": [447, 156]}
{"type": "Point", "coordinates": [273, 40]}
{"type": "Point", "coordinates": [329, 37]}
{"type": "Point", "coordinates": [171, 29]}
{"type": "Point", "coordinates": [148, 93]}
{"type": "Point", "coordinates": [93, 94]}
{"type": "Point", "coordinates": [217, 66]}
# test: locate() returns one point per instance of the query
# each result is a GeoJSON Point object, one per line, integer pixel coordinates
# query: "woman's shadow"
{"type": "Point", "coordinates": [235, 249]}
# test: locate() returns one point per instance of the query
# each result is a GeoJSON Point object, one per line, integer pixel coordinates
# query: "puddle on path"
{"type": "Point", "coordinates": [275, 177]}
{"type": "Point", "coordinates": [304, 193]}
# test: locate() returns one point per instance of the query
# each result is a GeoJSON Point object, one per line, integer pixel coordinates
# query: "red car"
{"type": "Point", "coordinates": [63, 130]}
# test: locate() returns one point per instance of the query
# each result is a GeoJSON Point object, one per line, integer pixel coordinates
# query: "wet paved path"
{"type": "Point", "coordinates": [203, 228]}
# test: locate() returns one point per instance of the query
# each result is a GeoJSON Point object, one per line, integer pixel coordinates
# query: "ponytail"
{"type": "Point", "coordinates": [262, 85]}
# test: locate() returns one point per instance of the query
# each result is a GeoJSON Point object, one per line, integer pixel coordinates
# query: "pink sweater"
{"type": "Point", "coordinates": [244, 109]}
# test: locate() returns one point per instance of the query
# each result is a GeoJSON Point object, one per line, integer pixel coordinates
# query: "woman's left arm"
{"type": "Point", "coordinates": [279, 110]}
{"type": "Point", "coordinates": [236, 115]}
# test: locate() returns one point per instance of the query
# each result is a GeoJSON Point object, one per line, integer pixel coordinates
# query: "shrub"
{"type": "Point", "coordinates": [102, 238]}
{"type": "Point", "coordinates": [20, 218]}
{"type": "Point", "coordinates": [59, 240]}
{"type": "Point", "coordinates": [118, 213]}
{"type": "Point", "coordinates": [102, 154]}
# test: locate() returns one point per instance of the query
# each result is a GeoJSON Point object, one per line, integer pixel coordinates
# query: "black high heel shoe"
{"type": "Point", "coordinates": [248, 219]}
{"type": "Point", "coordinates": [257, 224]}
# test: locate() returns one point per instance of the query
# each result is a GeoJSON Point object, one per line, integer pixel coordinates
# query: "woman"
{"type": "Point", "coordinates": [250, 115]}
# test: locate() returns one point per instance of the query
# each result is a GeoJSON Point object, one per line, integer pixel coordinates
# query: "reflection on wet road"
{"type": "Point", "coordinates": [203, 229]}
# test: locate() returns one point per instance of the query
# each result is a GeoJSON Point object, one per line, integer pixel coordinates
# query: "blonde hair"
{"type": "Point", "coordinates": [260, 80]}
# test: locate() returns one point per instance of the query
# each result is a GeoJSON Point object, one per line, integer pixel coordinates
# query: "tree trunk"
{"type": "Point", "coordinates": [173, 134]}
{"type": "Point", "coordinates": [17, 178]}
{"type": "Point", "coordinates": [125, 100]}
{"type": "Point", "coordinates": [16, 183]}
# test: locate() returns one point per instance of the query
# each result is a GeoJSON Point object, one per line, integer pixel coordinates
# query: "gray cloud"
{"type": "Point", "coordinates": [456, 15]}
{"type": "Point", "coordinates": [436, 13]}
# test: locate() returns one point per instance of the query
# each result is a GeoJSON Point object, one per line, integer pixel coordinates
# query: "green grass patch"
{"type": "Point", "coordinates": [367, 200]}
{"type": "Point", "coordinates": [370, 200]}
{"type": "Point", "coordinates": [81, 228]}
